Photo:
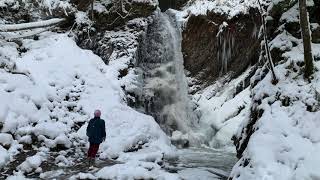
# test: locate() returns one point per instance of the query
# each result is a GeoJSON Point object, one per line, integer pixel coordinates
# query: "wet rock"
{"type": "Point", "coordinates": [172, 4]}
{"type": "Point", "coordinates": [315, 33]}
{"type": "Point", "coordinates": [180, 140]}
{"type": "Point", "coordinates": [136, 147]}
{"type": "Point", "coordinates": [280, 7]}
{"type": "Point", "coordinates": [214, 45]}
{"type": "Point", "coordinates": [181, 143]}
{"type": "Point", "coordinates": [82, 5]}
{"type": "Point", "coordinates": [242, 141]}
{"type": "Point", "coordinates": [293, 28]}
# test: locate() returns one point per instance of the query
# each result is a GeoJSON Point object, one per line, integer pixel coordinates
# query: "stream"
{"type": "Point", "coordinates": [202, 163]}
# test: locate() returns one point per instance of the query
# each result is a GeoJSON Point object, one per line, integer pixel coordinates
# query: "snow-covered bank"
{"type": "Point", "coordinates": [285, 144]}
{"type": "Point", "coordinates": [63, 85]}
{"type": "Point", "coordinates": [281, 138]}
{"type": "Point", "coordinates": [222, 111]}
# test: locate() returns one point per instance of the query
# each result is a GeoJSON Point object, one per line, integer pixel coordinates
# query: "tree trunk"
{"type": "Point", "coordinates": [266, 44]}
{"type": "Point", "coordinates": [92, 15]}
{"type": "Point", "coordinates": [305, 33]}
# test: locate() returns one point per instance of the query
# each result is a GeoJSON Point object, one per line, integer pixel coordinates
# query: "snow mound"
{"type": "Point", "coordinates": [5, 139]}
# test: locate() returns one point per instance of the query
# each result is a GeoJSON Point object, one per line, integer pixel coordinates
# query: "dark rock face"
{"type": "Point", "coordinates": [81, 5]}
{"type": "Point", "coordinates": [103, 41]}
{"type": "Point", "coordinates": [214, 45]}
{"type": "Point", "coordinates": [316, 34]}
{"type": "Point", "coordinates": [173, 4]}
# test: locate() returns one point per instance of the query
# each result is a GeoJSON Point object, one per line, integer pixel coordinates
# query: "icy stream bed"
{"type": "Point", "coordinates": [202, 163]}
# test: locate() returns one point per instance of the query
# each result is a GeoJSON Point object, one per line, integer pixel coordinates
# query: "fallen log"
{"type": "Point", "coordinates": [31, 25]}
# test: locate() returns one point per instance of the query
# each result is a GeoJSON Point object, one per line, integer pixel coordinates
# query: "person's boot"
{"type": "Point", "coordinates": [89, 161]}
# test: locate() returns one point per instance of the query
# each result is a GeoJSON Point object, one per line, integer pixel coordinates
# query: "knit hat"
{"type": "Point", "coordinates": [97, 113]}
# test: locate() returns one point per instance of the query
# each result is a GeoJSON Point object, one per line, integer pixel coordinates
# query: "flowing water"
{"type": "Point", "coordinates": [206, 163]}
{"type": "Point", "coordinates": [165, 92]}
{"type": "Point", "coordinates": [165, 97]}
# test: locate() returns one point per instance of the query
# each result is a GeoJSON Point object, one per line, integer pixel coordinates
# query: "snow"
{"type": "Point", "coordinates": [6, 3]}
{"type": "Point", "coordinates": [32, 163]}
{"type": "Point", "coordinates": [196, 174]}
{"type": "Point", "coordinates": [17, 177]}
{"type": "Point", "coordinates": [230, 8]}
{"type": "Point", "coordinates": [135, 170]}
{"type": "Point", "coordinates": [283, 41]}
{"type": "Point", "coordinates": [8, 53]}
{"type": "Point", "coordinates": [82, 176]}
{"type": "Point", "coordinates": [54, 4]}
{"type": "Point", "coordinates": [63, 86]}
{"type": "Point", "coordinates": [286, 141]}
{"type": "Point", "coordinates": [292, 15]}
{"type": "Point", "coordinates": [5, 139]}
{"type": "Point", "coordinates": [82, 18]}
{"type": "Point", "coordinates": [4, 156]}
{"type": "Point", "coordinates": [221, 113]}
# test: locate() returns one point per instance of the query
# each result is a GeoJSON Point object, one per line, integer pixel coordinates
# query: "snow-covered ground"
{"type": "Point", "coordinates": [63, 85]}
{"type": "Point", "coordinates": [285, 144]}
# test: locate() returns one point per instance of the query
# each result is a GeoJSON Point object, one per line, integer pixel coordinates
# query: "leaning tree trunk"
{"type": "Point", "coordinates": [266, 44]}
{"type": "Point", "coordinates": [305, 33]}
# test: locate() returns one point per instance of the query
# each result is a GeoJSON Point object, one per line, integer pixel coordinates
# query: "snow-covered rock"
{"type": "Point", "coordinates": [4, 156]}
{"type": "Point", "coordinates": [32, 163]}
{"type": "Point", "coordinates": [5, 139]}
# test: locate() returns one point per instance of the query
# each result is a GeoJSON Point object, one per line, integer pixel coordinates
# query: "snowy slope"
{"type": "Point", "coordinates": [64, 86]}
{"type": "Point", "coordinates": [285, 144]}
{"type": "Point", "coordinates": [222, 111]}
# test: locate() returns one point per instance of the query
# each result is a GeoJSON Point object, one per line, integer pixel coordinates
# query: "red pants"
{"type": "Point", "coordinates": [93, 149]}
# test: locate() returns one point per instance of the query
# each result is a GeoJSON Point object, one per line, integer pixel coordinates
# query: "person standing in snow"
{"type": "Point", "coordinates": [96, 132]}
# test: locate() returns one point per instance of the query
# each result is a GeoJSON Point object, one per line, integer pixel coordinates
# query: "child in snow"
{"type": "Point", "coordinates": [96, 132]}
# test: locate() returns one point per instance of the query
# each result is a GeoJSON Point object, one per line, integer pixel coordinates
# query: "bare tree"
{"type": "Point", "coordinates": [266, 44]}
{"type": "Point", "coordinates": [305, 33]}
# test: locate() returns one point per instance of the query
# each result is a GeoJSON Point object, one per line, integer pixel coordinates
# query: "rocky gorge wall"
{"type": "Point", "coordinates": [214, 45]}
